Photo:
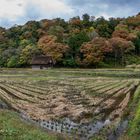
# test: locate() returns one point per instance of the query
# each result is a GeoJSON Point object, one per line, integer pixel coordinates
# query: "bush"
{"type": "Point", "coordinates": [69, 63]}
{"type": "Point", "coordinates": [13, 62]}
{"type": "Point", "coordinates": [132, 59]}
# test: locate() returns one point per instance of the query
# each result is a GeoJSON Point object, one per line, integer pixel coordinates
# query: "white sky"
{"type": "Point", "coordinates": [20, 11]}
{"type": "Point", "coordinates": [16, 10]}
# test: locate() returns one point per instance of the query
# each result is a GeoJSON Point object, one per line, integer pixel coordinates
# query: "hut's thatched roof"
{"type": "Point", "coordinates": [42, 60]}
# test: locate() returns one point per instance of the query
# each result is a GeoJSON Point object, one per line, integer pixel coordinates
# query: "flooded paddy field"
{"type": "Point", "coordinates": [78, 103]}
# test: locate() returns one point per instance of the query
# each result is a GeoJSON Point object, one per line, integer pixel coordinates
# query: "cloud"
{"type": "Point", "coordinates": [109, 2]}
{"type": "Point", "coordinates": [17, 12]}
{"type": "Point", "coordinates": [20, 11]}
{"type": "Point", "coordinates": [11, 9]}
{"type": "Point", "coordinates": [107, 8]}
{"type": "Point", "coordinates": [53, 8]}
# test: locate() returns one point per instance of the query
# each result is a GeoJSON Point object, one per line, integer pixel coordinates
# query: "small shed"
{"type": "Point", "coordinates": [42, 62]}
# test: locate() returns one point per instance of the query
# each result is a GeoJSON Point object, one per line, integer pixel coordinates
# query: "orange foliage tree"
{"type": "Point", "coordinates": [122, 31]}
{"type": "Point", "coordinates": [120, 47]}
{"type": "Point", "coordinates": [94, 51]}
{"type": "Point", "coordinates": [133, 21]}
{"type": "Point", "coordinates": [50, 47]}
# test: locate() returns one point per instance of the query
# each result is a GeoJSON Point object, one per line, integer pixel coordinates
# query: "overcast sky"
{"type": "Point", "coordinates": [20, 11]}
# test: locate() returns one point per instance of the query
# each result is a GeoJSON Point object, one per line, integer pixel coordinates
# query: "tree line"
{"type": "Point", "coordinates": [79, 42]}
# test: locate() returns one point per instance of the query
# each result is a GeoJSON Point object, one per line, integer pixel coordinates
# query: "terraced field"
{"type": "Point", "coordinates": [79, 106]}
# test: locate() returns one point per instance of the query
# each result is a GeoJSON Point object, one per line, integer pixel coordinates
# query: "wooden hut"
{"type": "Point", "coordinates": [42, 62]}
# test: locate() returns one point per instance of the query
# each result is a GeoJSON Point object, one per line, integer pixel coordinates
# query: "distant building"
{"type": "Point", "coordinates": [42, 62]}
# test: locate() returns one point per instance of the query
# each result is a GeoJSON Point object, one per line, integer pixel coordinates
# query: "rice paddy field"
{"type": "Point", "coordinates": [71, 104]}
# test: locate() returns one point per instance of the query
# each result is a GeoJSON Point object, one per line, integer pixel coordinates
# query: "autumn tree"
{"type": "Point", "coordinates": [93, 52]}
{"type": "Point", "coordinates": [21, 42]}
{"type": "Point", "coordinates": [121, 31]}
{"type": "Point", "coordinates": [133, 21]}
{"type": "Point", "coordinates": [51, 47]}
{"type": "Point", "coordinates": [75, 22]}
{"type": "Point", "coordinates": [121, 47]}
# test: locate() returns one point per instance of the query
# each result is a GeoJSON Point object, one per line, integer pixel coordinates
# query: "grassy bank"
{"type": "Point", "coordinates": [13, 128]}
{"type": "Point", "coordinates": [133, 132]}
{"type": "Point", "coordinates": [134, 127]}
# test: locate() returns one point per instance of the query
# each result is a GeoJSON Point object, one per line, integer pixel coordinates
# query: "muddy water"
{"type": "Point", "coordinates": [118, 131]}
{"type": "Point", "coordinates": [80, 131]}
{"type": "Point", "coordinates": [68, 127]}
{"type": "Point", "coordinates": [3, 105]}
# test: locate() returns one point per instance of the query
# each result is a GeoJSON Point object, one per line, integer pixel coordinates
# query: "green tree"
{"type": "Point", "coordinates": [27, 54]}
{"type": "Point", "coordinates": [13, 62]}
{"type": "Point", "coordinates": [75, 42]}
{"type": "Point", "coordinates": [86, 20]}
{"type": "Point", "coordinates": [137, 44]}
{"type": "Point", "coordinates": [57, 31]}
{"type": "Point", "coordinates": [102, 27]}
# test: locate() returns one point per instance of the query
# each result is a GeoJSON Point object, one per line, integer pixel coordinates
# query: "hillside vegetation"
{"type": "Point", "coordinates": [79, 42]}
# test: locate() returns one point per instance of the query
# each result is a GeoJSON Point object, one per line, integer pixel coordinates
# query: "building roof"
{"type": "Point", "coordinates": [42, 60]}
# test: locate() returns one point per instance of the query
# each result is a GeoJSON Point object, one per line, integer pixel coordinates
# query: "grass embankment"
{"type": "Point", "coordinates": [134, 127]}
{"type": "Point", "coordinates": [133, 132]}
{"type": "Point", "coordinates": [13, 128]}
{"type": "Point", "coordinates": [57, 73]}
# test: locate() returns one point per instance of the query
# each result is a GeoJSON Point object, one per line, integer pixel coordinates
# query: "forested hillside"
{"type": "Point", "coordinates": [79, 42]}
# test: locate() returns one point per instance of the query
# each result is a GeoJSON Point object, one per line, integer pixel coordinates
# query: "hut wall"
{"type": "Point", "coordinates": [36, 67]}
